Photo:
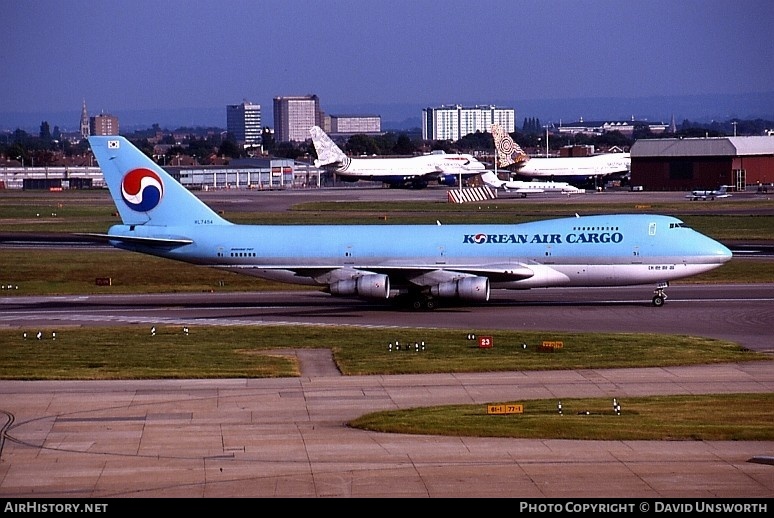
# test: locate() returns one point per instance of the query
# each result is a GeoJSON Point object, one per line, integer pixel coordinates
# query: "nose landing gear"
{"type": "Point", "coordinates": [659, 297]}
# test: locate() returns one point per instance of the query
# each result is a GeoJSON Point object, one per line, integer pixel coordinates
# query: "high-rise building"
{"type": "Point", "coordinates": [244, 122]}
{"type": "Point", "coordinates": [84, 121]}
{"type": "Point", "coordinates": [294, 116]}
{"type": "Point", "coordinates": [454, 122]}
{"type": "Point", "coordinates": [103, 124]}
{"type": "Point", "coordinates": [352, 124]}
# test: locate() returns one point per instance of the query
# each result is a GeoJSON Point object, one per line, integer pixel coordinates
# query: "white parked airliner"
{"type": "Point", "coordinates": [573, 170]}
{"type": "Point", "coordinates": [406, 172]}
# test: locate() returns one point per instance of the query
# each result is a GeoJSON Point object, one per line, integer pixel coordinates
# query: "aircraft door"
{"type": "Point", "coordinates": [441, 257]}
{"type": "Point", "coordinates": [636, 255]}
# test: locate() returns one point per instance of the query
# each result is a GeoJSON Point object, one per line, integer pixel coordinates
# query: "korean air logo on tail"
{"type": "Point", "coordinates": [142, 189]}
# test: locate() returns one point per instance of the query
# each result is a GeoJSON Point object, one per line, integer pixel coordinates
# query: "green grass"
{"type": "Point", "coordinates": [131, 352]}
{"type": "Point", "coordinates": [715, 417]}
{"type": "Point", "coordinates": [74, 271]}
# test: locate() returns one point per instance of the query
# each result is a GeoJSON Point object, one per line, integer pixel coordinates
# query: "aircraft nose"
{"type": "Point", "coordinates": [726, 254]}
{"type": "Point", "coordinates": [721, 251]}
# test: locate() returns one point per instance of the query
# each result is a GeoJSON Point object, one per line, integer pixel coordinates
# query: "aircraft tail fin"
{"type": "Point", "coordinates": [491, 179]}
{"type": "Point", "coordinates": [143, 192]}
{"type": "Point", "coordinates": [327, 150]}
{"type": "Point", "coordinates": [508, 152]}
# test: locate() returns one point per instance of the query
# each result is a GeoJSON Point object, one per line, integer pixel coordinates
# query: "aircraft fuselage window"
{"type": "Point", "coordinates": [583, 229]}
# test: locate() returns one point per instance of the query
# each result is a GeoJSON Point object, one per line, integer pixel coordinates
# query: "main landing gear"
{"type": "Point", "coordinates": [659, 297]}
{"type": "Point", "coordinates": [417, 301]}
{"type": "Point", "coordinates": [423, 303]}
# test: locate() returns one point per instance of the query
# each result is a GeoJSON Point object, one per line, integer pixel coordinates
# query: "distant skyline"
{"type": "Point", "coordinates": [188, 59]}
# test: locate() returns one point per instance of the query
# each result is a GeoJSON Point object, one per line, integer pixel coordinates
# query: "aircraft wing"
{"type": "Point", "coordinates": [432, 275]}
{"type": "Point", "coordinates": [522, 190]}
{"type": "Point", "coordinates": [439, 170]}
{"type": "Point", "coordinates": [400, 275]}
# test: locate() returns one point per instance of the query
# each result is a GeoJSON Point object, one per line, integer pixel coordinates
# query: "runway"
{"type": "Point", "coordinates": [287, 437]}
{"type": "Point", "coordinates": [743, 313]}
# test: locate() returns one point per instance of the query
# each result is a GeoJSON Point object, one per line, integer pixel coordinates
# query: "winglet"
{"type": "Point", "coordinates": [327, 150]}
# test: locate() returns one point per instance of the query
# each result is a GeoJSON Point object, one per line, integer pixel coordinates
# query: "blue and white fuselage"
{"type": "Point", "coordinates": [382, 261]}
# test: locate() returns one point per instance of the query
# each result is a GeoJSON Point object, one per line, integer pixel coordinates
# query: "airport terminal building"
{"type": "Point", "coordinates": [741, 163]}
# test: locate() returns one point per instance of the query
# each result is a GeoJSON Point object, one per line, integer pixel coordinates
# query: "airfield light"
{"type": "Point", "coordinates": [559, 407]}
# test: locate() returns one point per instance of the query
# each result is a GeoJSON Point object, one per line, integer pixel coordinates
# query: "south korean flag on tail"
{"type": "Point", "coordinates": [113, 144]}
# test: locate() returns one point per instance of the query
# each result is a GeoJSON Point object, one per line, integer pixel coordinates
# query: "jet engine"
{"type": "Point", "coordinates": [449, 180]}
{"type": "Point", "coordinates": [467, 288]}
{"type": "Point", "coordinates": [373, 286]}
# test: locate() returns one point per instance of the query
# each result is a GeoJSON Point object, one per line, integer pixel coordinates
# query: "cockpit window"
{"type": "Point", "coordinates": [678, 225]}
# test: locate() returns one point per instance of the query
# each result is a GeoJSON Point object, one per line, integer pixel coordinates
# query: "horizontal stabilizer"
{"type": "Point", "coordinates": [162, 242]}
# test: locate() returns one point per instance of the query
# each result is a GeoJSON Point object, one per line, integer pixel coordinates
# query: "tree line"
{"type": "Point", "coordinates": [49, 148]}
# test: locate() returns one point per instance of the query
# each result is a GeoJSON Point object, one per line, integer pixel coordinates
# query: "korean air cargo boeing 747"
{"type": "Point", "coordinates": [424, 263]}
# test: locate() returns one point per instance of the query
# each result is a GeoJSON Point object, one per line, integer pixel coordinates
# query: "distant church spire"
{"type": "Point", "coordinates": [84, 121]}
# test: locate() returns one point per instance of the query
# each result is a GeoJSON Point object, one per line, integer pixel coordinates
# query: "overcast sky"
{"type": "Point", "coordinates": [155, 54]}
